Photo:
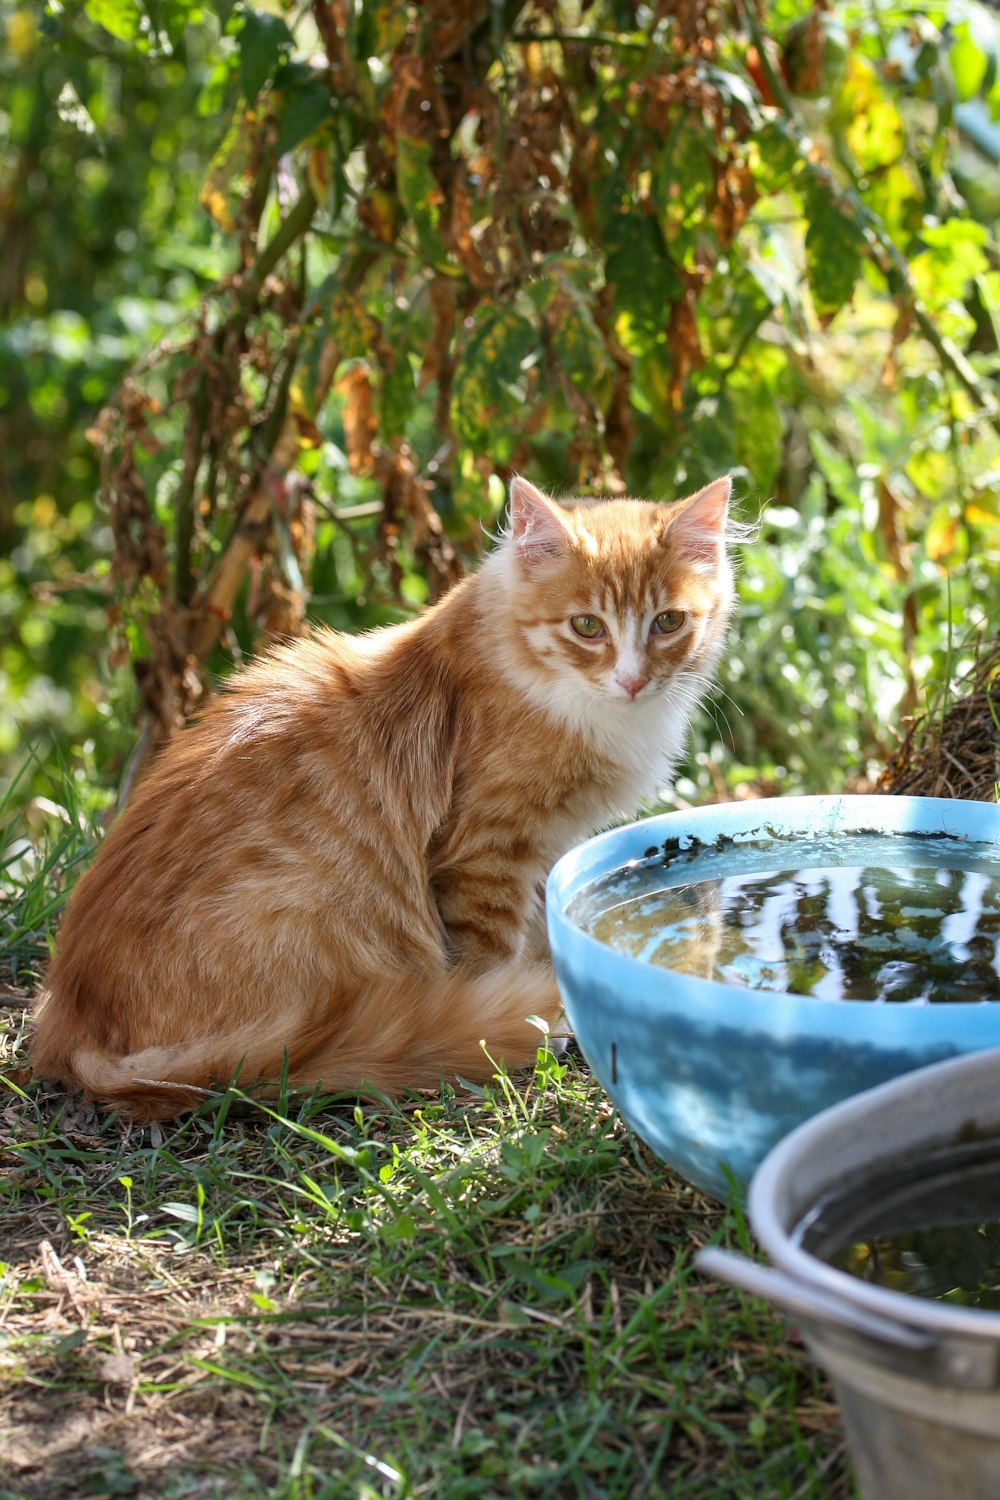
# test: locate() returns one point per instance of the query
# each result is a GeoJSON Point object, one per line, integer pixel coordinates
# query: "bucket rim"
{"type": "Point", "coordinates": [785, 1163]}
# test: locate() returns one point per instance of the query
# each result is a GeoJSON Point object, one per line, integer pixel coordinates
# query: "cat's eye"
{"type": "Point", "coordinates": [587, 626]}
{"type": "Point", "coordinates": [669, 622]}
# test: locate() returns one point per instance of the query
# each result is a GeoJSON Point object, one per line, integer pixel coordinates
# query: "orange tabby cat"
{"type": "Point", "coordinates": [342, 861]}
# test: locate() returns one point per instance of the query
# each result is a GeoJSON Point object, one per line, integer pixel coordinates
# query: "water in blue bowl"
{"type": "Point", "coordinates": [846, 916]}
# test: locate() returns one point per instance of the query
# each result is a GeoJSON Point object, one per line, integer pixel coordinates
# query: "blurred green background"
{"type": "Point", "coordinates": [287, 293]}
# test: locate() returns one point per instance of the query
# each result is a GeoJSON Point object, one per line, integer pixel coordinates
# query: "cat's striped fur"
{"type": "Point", "coordinates": [342, 862]}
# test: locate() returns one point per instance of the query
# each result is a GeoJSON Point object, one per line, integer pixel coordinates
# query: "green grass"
{"type": "Point", "coordinates": [449, 1296]}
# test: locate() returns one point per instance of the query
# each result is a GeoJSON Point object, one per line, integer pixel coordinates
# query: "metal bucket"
{"type": "Point", "coordinates": [918, 1381]}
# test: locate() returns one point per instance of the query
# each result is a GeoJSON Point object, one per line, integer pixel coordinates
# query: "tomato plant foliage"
{"type": "Point", "coordinates": [310, 283]}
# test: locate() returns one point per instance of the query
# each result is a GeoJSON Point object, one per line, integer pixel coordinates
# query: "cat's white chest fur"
{"type": "Point", "coordinates": [642, 741]}
{"type": "Point", "coordinates": [639, 742]}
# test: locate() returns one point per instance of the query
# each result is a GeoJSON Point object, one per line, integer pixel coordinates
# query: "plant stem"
{"type": "Point", "coordinates": [292, 227]}
{"type": "Point", "coordinates": [774, 80]}
{"type": "Point", "coordinates": [184, 500]}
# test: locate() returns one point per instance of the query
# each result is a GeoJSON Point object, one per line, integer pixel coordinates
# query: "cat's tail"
{"type": "Point", "coordinates": [412, 1032]}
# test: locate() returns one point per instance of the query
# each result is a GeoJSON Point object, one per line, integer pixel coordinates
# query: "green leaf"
{"type": "Point", "coordinates": [975, 51]}
{"type": "Point", "coordinates": [840, 474]}
{"type": "Point", "coordinates": [264, 39]}
{"type": "Point", "coordinates": [961, 238]}
{"type": "Point", "coordinates": [941, 533]}
{"type": "Point", "coordinates": [753, 409]}
{"type": "Point", "coordinates": [121, 18]}
{"type": "Point", "coordinates": [222, 191]}
{"type": "Point", "coordinates": [420, 194]}
{"type": "Point", "coordinates": [733, 88]}
{"type": "Point", "coordinates": [348, 324]}
{"type": "Point", "coordinates": [643, 278]}
{"type": "Point", "coordinates": [149, 27]}
{"type": "Point", "coordinates": [876, 136]}
{"type": "Point", "coordinates": [173, 16]}
{"type": "Point", "coordinates": [576, 340]}
{"type": "Point", "coordinates": [308, 384]}
{"type": "Point", "coordinates": [954, 254]}
{"type": "Point", "coordinates": [305, 105]}
{"type": "Point", "coordinates": [488, 389]}
{"type": "Point", "coordinates": [896, 195]}
{"type": "Point", "coordinates": [580, 349]}
{"type": "Point", "coordinates": [381, 26]}
{"type": "Point", "coordinates": [777, 157]}
{"type": "Point", "coordinates": [685, 186]}
{"type": "Point", "coordinates": [401, 1228]}
{"type": "Point", "coordinates": [396, 392]}
{"type": "Point", "coordinates": [184, 1211]}
{"type": "Point", "coordinates": [835, 247]}
{"type": "Point", "coordinates": [212, 97]}
{"type": "Point", "coordinates": [968, 65]}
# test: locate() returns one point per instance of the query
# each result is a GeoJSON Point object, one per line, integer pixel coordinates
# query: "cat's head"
{"type": "Point", "coordinates": [614, 601]}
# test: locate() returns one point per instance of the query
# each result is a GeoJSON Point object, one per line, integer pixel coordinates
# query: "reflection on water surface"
{"type": "Point", "coordinates": [892, 918]}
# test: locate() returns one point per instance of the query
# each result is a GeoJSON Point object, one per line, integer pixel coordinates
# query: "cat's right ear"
{"type": "Point", "coordinates": [537, 527]}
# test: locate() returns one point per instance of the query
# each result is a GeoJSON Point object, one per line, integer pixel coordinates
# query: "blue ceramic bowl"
{"type": "Point", "coordinates": [712, 1076]}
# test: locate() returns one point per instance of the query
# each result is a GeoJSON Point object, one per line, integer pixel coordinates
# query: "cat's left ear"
{"type": "Point", "coordinates": [537, 526]}
{"type": "Point", "coordinates": [697, 526]}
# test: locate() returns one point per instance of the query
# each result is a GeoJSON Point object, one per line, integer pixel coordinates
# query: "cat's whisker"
{"type": "Point", "coordinates": [720, 714]}
{"type": "Point", "coordinates": [702, 688]}
{"type": "Point", "coordinates": [713, 690]}
{"type": "Point", "coordinates": [728, 729]}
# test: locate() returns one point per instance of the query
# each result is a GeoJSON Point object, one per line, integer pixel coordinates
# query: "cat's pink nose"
{"type": "Point", "coordinates": [632, 685]}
